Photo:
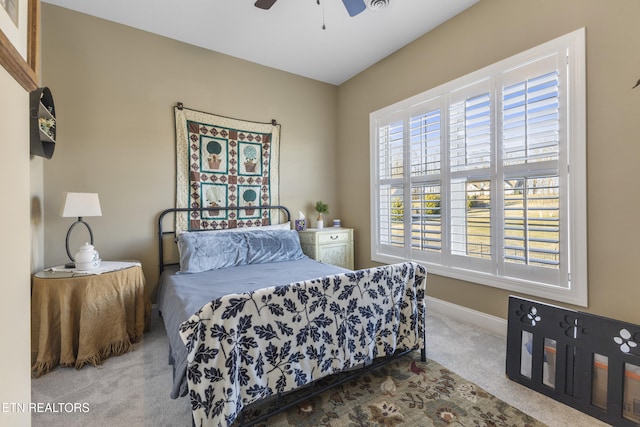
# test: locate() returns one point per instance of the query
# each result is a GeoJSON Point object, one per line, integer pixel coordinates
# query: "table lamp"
{"type": "Point", "coordinates": [80, 205]}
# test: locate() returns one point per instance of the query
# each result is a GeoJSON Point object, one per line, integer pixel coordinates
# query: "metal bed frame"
{"type": "Point", "coordinates": [313, 389]}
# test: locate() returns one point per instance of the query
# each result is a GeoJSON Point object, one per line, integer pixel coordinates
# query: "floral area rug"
{"type": "Point", "coordinates": [405, 392]}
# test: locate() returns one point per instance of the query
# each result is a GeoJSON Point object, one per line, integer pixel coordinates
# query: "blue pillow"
{"type": "Point", "coordinates": [273, 246]}
{"type": "Point", "coordinates": [203, 251]}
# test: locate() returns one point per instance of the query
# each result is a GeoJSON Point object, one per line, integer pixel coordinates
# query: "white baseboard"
{"type": "Point", "coordinates": [464, 314]}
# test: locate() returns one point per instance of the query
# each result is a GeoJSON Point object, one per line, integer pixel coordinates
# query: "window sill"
{"type": "Point", "coordinates": [576, 295]}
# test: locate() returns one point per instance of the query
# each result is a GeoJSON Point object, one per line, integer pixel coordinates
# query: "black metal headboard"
{"type": "Point", "coordinates": [162, 233]}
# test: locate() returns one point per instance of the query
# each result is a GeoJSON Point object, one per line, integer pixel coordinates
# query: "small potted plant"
{"type": "Point", "coordinates": [321, 208]}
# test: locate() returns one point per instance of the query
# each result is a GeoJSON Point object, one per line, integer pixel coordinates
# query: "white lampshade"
{"type": "Point", "coordinates": [80, 205]}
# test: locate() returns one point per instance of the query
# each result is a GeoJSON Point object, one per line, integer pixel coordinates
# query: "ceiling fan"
{"type": "Point", "coordinates": [354, 7]}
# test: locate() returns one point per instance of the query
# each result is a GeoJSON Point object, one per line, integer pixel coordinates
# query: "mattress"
{"type": "Point", "coordinates": [181, 295]}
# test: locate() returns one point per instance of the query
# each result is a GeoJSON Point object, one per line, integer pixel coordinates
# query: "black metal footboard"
{"type": "Point", "coordinates": [588, 362]}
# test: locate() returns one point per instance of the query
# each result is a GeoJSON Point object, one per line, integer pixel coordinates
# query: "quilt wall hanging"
{"type": "Point", "coordinates": [225, 162]}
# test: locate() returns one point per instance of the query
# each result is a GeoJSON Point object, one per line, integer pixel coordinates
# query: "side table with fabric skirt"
{"type": "Point", "coordinates": [83, 319]}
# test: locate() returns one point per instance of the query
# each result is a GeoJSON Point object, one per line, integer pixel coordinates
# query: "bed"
{"type": "Point", "coordinates": [249, 316]}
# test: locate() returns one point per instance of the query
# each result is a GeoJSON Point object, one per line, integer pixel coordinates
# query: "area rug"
{"type": "Point", "coordinates": [221, 161]}
{"type": "Point", "coordinates": [406, 392]}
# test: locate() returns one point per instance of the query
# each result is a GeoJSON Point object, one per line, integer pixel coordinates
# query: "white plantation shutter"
{"type": "Point", "coordinates": [426, 217]}
{"type": "Point", "coordinates": [532, 221]}
{"type": "Point", "coordinates": [391, 215]}
{"type": "Point", "coordinates": [531, 120]}
{"type": "Point", "coordinates": [534, 103]}
{"type": "Point", "coordinates": [425, 130]}
{"type": "Point", "coordinates": [391, 204]}
{"type": "Point", "coordinates": [470, 130]}
{"type": "Point", "coordinates": [425, 136]}
{"type": "Point", "coordinates": [487, 189]}
{"type": "Point", "coordinates": [391, 150]}
{"type": "Point", "coordinates": [471, 150]}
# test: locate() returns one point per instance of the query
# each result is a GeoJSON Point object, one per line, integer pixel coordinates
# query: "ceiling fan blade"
{"type": "Point", "coordinates": [264, 4]}
{"type": "Point", "coordinates": [354, 7]}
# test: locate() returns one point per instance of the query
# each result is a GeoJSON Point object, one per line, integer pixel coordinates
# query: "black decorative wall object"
{"type": "Point", "coordinates": [588, 362]}
{"type": "Point", "coordinates": [42, 123]}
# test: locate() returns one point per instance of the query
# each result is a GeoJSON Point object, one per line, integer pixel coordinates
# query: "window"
{"type": "Point", "coordinates": [484, 178]}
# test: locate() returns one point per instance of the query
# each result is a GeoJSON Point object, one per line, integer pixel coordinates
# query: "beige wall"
{"type": "Point", "coordinates": [15, 249]}
{"type": "Point", "coordinates": [486, 33]}
{"type": "Point", "coordinates": [115, 88]}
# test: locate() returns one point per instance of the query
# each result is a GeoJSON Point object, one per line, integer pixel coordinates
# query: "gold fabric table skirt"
{"type": "Point", "coordinates": [85, 319]}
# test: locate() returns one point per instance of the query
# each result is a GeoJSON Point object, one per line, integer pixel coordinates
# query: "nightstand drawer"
{"type": "Point", "coordinates": [339, 236]}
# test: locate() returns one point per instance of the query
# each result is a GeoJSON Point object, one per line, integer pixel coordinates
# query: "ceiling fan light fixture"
{"type": "Point", "coordinates": [377, 4]}
{"type": "Point", "coordinates": [264, 4]}
{"type": "Point", "coordinates": [354, 7]}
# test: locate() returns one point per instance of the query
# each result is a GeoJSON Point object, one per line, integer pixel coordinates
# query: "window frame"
{"type": "Point", "coordinates": [573, 156]}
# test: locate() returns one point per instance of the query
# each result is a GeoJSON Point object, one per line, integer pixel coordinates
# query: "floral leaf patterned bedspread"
{"type": "Point", "coordinates": [248, 346]}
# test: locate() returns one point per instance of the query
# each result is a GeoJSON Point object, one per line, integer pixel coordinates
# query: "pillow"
{"type": "Point", "coordinates": [203, 251]}
{"type": "Point", "coordinates": [273, 246]}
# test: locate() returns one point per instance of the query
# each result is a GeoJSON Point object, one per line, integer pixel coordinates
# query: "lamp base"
{"type": "Point", "coordinates": [79, 221]}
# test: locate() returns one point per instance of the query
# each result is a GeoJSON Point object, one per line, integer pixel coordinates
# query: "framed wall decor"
{"type": "Point", "coordinates": [19, 40]}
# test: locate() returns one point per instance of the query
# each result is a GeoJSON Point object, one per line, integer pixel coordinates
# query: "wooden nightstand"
{"type": "Point", "coordinates": [329, 245]}
{"type": "Point", "coordinates": [81, 318]}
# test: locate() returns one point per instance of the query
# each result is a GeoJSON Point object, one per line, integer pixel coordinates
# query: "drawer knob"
{"type": "Point", "coordinates": [334, 237]}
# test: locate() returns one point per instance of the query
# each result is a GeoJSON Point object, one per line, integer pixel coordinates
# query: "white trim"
{"type": "Point", "coordinates": [578, 172]}
{"type": "Point", "coordinates": [482, 320]}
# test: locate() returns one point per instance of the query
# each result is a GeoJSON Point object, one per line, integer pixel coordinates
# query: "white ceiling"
{"type": "Point", "coordinates": [287, 37]}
